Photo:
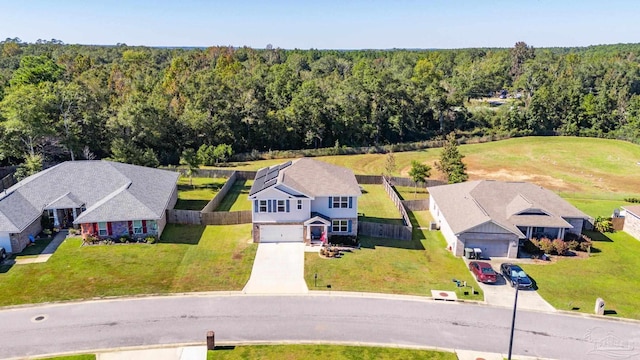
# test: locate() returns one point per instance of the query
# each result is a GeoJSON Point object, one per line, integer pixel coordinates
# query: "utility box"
{"type": "Point", "coordinates": [468, 253]}
{"type": "Point", "coordinates": [599, 306]}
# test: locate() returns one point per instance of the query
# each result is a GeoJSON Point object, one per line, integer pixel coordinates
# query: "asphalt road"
{"type": "Point", "coordinates": [310, 318]}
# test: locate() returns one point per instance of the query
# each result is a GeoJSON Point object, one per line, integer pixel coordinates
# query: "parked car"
{"type": "Point", "coordinates": [483, 272]}
{"type": "Point", "coordinates": [514, 274]}
{"type": "Point", "coordinates": [3, 254]}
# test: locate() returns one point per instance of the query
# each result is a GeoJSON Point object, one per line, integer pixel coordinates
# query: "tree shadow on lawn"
{"type": "Point", "coordinates": [183, 204]}
{"type": "Point", "coordinates": [597, 236]}
{"type": "Point", "coordinates": [182, 234]}
{"type": "Point", "coordinates": [378, 220]}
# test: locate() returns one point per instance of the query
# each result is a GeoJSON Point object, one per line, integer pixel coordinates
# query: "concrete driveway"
{"type": "Point", "coordinates": [502, 294]}
{"type": "Point", "coordinates": [278, 269]}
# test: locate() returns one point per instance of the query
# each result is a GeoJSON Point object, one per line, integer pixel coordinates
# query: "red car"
{"type": "Point", "coordinates": [483, 272]}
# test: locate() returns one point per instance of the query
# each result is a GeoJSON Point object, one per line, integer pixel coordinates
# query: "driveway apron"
{"type": "Point", "coordinates": [278, 269]}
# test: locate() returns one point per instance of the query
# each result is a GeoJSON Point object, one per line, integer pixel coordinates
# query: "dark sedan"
{"type": "Point", "coordinates": [483, 272]}
{"type": "Point", "coordinates": [514, 274]}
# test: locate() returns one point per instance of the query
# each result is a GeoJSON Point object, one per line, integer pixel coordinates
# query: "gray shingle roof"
{"type": "Point", "coordinates": [310, 177]}
{"type": "Point", "coordinates": [508, 204]}
{"type": "Point", "coordinates": [110, 191]}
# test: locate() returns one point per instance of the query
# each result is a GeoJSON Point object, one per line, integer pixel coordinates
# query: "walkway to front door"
{"type": "Point", "coordinates": [278, 269]}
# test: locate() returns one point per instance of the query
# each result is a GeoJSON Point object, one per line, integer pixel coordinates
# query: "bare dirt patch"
{"type": "Point", "coordinates": [511, 175]}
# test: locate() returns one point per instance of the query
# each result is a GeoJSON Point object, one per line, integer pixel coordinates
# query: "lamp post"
{"type": "Point", "coordinates": [513, 318]}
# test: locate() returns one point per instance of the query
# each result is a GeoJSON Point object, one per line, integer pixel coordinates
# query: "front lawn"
{"type": "Point", "coordinates": [196, 194]}
{"type": "Point", "coordinates": [236, 198]}
{"type": "Point", "coordinates": [299, 352]}
{"type": "Point", "coordinates": [393, 266]}
{"type": "Point", "coordinates": [376, 206]}
{"type": "Point", "coordinates": [187, 258]}
{"type": "Point", "coordinates": [575, 284]}
{"type": "Point", "coordinates": [610, 273]}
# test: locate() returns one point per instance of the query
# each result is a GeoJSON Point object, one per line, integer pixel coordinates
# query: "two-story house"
{"type": "Point", "coordinates": [303, 199]}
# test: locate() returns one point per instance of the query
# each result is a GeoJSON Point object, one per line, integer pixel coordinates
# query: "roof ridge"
{"type": "Point", "coordinates": [105, 199]}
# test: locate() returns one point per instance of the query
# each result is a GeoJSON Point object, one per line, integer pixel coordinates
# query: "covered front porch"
{"type": "Point", "coordinates": [317, 228]}
{"type": "Point", "coordinates": [531, 232]}
{"type": "Point", "coordinates": [63, 211]}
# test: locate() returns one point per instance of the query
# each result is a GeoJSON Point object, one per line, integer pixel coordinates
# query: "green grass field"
{"type": "Point", "coordinates": [236, 198]}
{"type": "Point", "coordinates": [376, 206]}
{"type": "Point", "coordinates": [318, 352]}
{"type": "Point", "coordinates": [412, 193]}
{"type": "Point", "coordinates": [188, 258]}
{"type": "Point", "coordinates": [570, 164]}
{"type": "Point", "coordinates": [73, 357]}
{"type": "Point", "coordinates": [393, 266]}
{"type": "Point", "coordinates": [195, 194]}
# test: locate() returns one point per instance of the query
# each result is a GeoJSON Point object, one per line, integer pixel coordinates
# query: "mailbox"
{"type": "Point", "coordinates": [599, 306]}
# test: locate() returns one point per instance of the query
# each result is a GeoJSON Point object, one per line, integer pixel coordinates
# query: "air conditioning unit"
{"type": "Point", "coordinates": [434, 226]}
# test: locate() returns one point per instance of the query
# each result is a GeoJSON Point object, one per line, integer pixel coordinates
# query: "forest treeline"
{"type": "Point", "coordinates": [147, 105]}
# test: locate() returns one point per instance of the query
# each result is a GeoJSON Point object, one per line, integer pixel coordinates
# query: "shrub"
{"type": "Point", "coordinates": [585, 245]}
{"type": "Point", "coordinates": [546, 245]}
{"type": "Point", "coordinates": [124, 239]}
{"type": "Point", "coordinates": [603, 224]}
{"type": "Point", "coordinates": [568, 237]}
{"type": "Point", "coordinates": [531, 246]}
{"type": "Point", "coordinates": [91, 239]}
{"type": "Point", "coordinates": [573, 245]}
{"type": "Point", "coordinates": [151, 239]}
{"type": "Point", "coordinates": [632, 200]}
{"type": "Point", "coordinates": [560, 246]}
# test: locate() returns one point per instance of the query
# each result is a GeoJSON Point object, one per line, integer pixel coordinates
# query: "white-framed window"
{"type": "Point", "coordinates": [263, 206]}
{"type": "Point", "coordinates": [339, 225]}
{"type": "Point", "coordinates": [341, 202]}
{"type": "Point", "coordinates": [152, 226]}
{"type": "Point", "coordinates": [281, 207]}
{"type": "Point", "coordinates": [299, 204]}
{"type": "Point", "coordinates": [137, 226]}
{"type": "Point", "coordinates": [102, 229]}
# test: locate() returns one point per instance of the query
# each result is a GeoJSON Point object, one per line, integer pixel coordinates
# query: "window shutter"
{"type": "Point", "coordinates": [144, 226]}
{"type": "Point", "coordinates": [256, 206]}
{"type": "Point", "coordinates": [269, 205]}
{"type": "Point", "coordinates": [130, 227]}
{"type": "Point", "coordinates": [349, 226]}
{"type": "Point", "coordinates": [109, 229]}
{"type": "Point", "coordinates": [330, 202]}
{"type": "Point", "coordinates": [287, 205]}
{"type": "Point", "coordinates": [95, 229]}
{"type": "Point", "coordinates": [350, 203]}
{"type": "Point", "coordinates": [330, 228]}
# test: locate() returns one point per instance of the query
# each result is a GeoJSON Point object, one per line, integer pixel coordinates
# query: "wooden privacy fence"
{"type": "Point", "coordinates": [194, 217]}
{"type": "Point", "coordinates": [400, 181]}
{"type": "Point", "coordinates": [189, 217]}
{"type": "Point", "coordinates": [381, 230]}
{"type": "Point", "coordinates": [396, 201]}
{"type": "Point", "coordinates": [369, 179]}
{"type": "Point", "coordinates": [226, 217]}
{"type": "Point", "coordinates": [217, 173]}
{"type": "Point", "coordinates": [213, 203]}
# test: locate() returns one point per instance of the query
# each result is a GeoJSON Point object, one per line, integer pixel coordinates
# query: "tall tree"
{"type": "Point", "coordinates": [450, 163]}
{"type": "Point", "coordinates": [520, 53]}
{"type": "Point", "coordinates": [191, 159]}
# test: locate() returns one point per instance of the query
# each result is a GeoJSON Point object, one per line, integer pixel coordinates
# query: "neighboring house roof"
{"type": "Point", "coordinates": [308, 176]}
{"type": "Point", "coordinates": [635, 210]}
{"type": "Point", "coordinates": [507, 204]}
{"type": "Point", "coordinates": [109, 191]}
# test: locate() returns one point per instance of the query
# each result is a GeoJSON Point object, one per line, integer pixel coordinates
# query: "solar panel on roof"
{"type": "Point", "coordinates": [261, 173]}
{"type": "Point", "coordinates": [271, 176]}
{"type": "Point", "coordinates": [269, 183]}
{"type": "Point", "coordinates": [285, 165]}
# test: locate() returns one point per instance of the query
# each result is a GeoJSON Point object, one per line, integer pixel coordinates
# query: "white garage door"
{"type": "Point", "coordinates": [281, 233]}
{"type": "Point", "coordinates": [490, 248]}
{"type": "Point", "coordinates": [5, 241]}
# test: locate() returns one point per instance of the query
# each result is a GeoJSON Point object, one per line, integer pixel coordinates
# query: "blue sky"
{"type": "Point", "coordinates": [327, 24]}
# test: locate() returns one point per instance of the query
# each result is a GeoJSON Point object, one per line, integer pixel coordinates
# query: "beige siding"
{"type": "Point", "coordinates": [489, 227]}
{"type": "Point", "coordinates": [632, 225]}
{"type": "Point", "coordinates": [162, 222]}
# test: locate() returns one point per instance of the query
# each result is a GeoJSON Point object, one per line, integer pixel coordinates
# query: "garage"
{"type": "Point", "coordinates": [5, 241]}
{"type": "Point", "coordinates": [281, 233]}
{"type": "Point", "coordinates": [490, 248]}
